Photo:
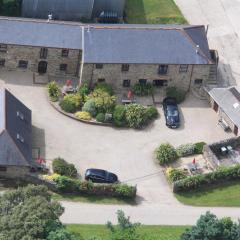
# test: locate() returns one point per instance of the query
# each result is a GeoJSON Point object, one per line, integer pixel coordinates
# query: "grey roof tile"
{"type": "Point", "coordinates": [12, 150]}
{"type": "Point", "coordinates": [226, 100]}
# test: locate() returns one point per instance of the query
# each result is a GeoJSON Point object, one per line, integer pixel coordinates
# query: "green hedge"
{"type": "Point", "coordinates": [202, 180]}
{"type": "Point", "coordinates": [199, 147]}
{"type": "Point", "coordinates": [143, 89]}
{"type": "Point", "coordinates": [68, 185]}
{"type": "Point", "coordinates": [176, 93]}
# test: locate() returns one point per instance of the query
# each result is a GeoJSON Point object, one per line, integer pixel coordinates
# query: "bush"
{"type": "Point", "coordinates": [221, 175]}
{"type": "Point", "coordinates": [136, 115]}
{"type": "Point", "coordinates": [186, 150]}
{"type": "Point", "coordinates": [84, 90]}
{"type": "Point", "coordinates": [143, 89]}
{"type": "Point", "coordinates": [100, 117]}
{"type": "Point", "coordinates": [199, 147]}
{"type": "Point", "coordinates": [104, 87]}
{"type": "Point", "coordinates": [103, 101]}
{"type": "Point", "coordinates": [174, 174]}
{"type": "Point", "coordinates": [66, 184]}
{"type": "Point", "coordinates": [83, 116]}
{"type": "Point", "coordinates": [53, 91]}
{"type": "Point", "coordinates": [119, 116]}
{"type": "Point", "coordinates": [60, 166]}
{"type": "Point", "coordinates": [125, 190]}
{"type": "Point", "coordinates": [71, 103]}
{"type": "Point", "coordinates": [69, 185]}
{"type": "Point", "coordinates": [152, 113]}
{"type": "Point", "coordinates": [90, 107]}
{"type": "Point", "coordinates": [176, 93]}
{"type": "Point", "coordinates": [166, 154]}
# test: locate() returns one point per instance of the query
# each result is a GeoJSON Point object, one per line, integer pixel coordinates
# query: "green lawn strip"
{"type": "Point", "coordinates": [153, 12]}
{"type": "Point", "coordinates": [152, 232]}
{"type": "Point", "coordinates": [91, 199]}
{"type": "Point", "coordinates": [226, 195]}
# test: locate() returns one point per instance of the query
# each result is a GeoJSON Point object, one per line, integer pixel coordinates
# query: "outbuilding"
{"type": "Point", "coordinates": [226, 103]}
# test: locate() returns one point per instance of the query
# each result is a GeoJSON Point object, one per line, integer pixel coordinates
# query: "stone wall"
{"type": "Point", "coordinates": [32, 55]}
{"type": "Point", "coordinates": [113, 74]}
{"type": "Point", "coordinates": [14, 172]}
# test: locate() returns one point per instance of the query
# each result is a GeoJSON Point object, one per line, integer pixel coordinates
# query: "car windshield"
{"type": "Point", "coordinates": [172, 112]}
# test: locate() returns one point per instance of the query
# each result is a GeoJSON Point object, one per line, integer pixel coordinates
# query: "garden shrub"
{"type": "Point", "coordinates": [68, 185]}
{"type": "Point", "coordinates": [221, 175]}
{"type": "Point", "coordinates": [143, 89]}
{"type": "Point", "coordinates": [176, 93]}
{"type": "Point", "coordinates": [71, 103]}
{"type": "Point", "coordinates": [60, 166]}
{"type": "Point", "coordinates": [53, 91]}
{"type": "Point", "coordinates": [83, 116]}
{"type": "Point", "coordinates": [152, 113]}
{"type": "Point", "coordinates": [174, 174]}
{"type": "Point", "coordinates": [104, 87]}
{"type": "Point", "coordinates": [84, 90]}
{"type": "Point", "coordinates": [119, 116]}
{"type": "Point", "coordinates": [199, 147]}
{"type": "Point", "coordinates": [100, 117]}
{"type": "Point", "coordinates": [89, 106]}
{"type": "Point", "coordinates": [186, 150]}
{"type": "Point", "coordinates": [103, 101]}
{"type": "Point", "coordinates": [125, 190]}
{"type": "Point", "coordinates": [136, 115]}
{"type": "Point", "coordinates": [166, 154]}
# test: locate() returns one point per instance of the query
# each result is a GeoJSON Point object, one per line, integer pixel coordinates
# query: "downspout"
{"type": "Point", "coordinates": [191, 79]}
{"type": "Point", "coordinates": [82, 62]}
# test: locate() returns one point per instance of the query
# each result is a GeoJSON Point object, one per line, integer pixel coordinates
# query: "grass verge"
{"type": "Point", "coordinates": [152, 232]}
{"type": "Point", "coordinates": [226, 195]}
{"type": "Point", "coordinates": [153, 12]}
{"type": "Point", "coordinates": [91, 199]}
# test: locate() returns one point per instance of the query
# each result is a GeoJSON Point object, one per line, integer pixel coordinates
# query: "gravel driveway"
{"type": "Point", "coordinates": [129, 153]}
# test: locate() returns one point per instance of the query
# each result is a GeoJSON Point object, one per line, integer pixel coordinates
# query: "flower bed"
{"type": "Point", "coordinates": [99, 107]}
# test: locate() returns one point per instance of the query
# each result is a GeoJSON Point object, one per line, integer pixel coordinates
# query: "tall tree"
{"type": "Point", "coordinates": [29, 214]}
{"type": "Point", "coordinates": [209, 227]}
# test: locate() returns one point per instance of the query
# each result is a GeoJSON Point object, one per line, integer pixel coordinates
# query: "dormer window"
{"type": "Point", "coordinates": [20, 115]}
{"type": "Point", "coordinates": [20, 138]}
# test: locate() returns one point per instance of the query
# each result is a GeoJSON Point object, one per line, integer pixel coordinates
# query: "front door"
{"type": "Point", "coordinates": [42, 67]}
{"type": "Point", "coordinates": [235, 130]}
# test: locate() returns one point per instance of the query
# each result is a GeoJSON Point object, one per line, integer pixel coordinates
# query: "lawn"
{"type": "Point", "coordinates": [153, 12]}
{"type": "Point", "coordinates": [220, 196]}
{"type": "Point", "coordinates": [152, 232]}
{"type": "Point", "coordinates": [91, 199]}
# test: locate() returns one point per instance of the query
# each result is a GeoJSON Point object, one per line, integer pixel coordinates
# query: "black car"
{"type": "Point", "coordinates": [100, 176]}
{"type": "Point", "coordinates": [171, 112]}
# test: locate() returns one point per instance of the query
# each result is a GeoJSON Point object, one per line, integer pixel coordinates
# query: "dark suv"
{"type": "Point", "coordinates": [171, 112]}
{"type": "Point", "coordinates": [100, 176]}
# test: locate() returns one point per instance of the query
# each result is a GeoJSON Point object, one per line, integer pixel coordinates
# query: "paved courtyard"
{"type": "Point", "coordinates": [127, 152]}
{"type": "Point", "coordinates": [223, 19]}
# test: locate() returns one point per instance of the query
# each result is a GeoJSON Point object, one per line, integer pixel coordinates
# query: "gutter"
{"type": "Point", "coordinates": [82, 62]}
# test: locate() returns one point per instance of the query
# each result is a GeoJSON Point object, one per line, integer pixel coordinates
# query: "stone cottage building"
{"type": "Point", "coordinates": [122, 55]}
{"type": "Point", "coordinates": [15, 137]}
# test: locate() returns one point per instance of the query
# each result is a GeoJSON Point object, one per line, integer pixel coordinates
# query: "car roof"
{"type": "Point", "coordinates": [99, 172]}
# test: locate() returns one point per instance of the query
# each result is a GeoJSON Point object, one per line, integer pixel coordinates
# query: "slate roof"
{"type": "Point", "coordinates": [146, 44]}
{"type": "Point", "coordinates": [60, 9]}
{"type": "Point", "coordinates": [119, 43]}
{"type": "Point", "coordinates": [227, 102]}
{"type": "Point", "coordinates": [40, 33]}
{"type": "Point", "coordinates": [13, 151]}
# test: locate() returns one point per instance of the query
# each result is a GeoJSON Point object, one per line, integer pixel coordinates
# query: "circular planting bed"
{"type": "Point", "coordinates": [98, 106]}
